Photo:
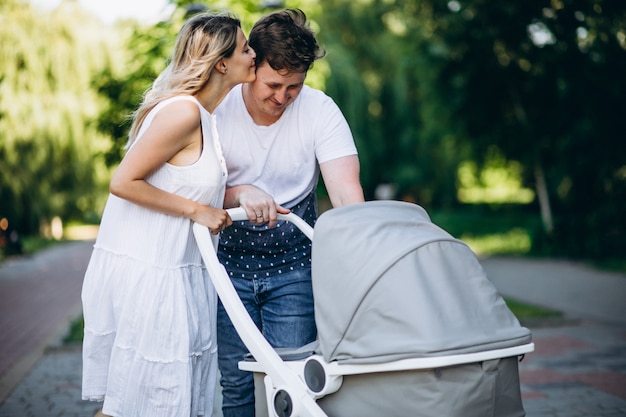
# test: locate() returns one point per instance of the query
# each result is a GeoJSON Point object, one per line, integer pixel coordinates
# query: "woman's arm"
{"type": "Point", "coordinates": [174, 136]}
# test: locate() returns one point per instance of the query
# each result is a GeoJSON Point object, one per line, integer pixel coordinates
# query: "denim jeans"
{"type": "Point", "coordinates": [282, 307]}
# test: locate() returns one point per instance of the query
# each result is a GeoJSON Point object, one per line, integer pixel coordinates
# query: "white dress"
{"type": "Point", "coordinates": [149, 348]}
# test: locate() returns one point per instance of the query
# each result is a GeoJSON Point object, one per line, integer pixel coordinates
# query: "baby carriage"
{"type": "Point", "coordinates": [408, 323]}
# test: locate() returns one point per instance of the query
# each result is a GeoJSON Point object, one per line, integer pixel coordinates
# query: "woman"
{"type": "Point", "coordinates": [149, 306]}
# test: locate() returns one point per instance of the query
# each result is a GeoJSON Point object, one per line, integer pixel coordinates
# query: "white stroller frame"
{"type": "Point", "coordinates": [291, 387]}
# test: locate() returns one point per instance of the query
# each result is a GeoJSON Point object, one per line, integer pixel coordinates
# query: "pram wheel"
{"type": "Point", "coordinates": [283, 405]}
{"type": "Point", "coordinates": [314, 376]}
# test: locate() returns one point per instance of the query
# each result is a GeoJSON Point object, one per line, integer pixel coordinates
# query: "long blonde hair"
{"type": "Point", "coordinates": [203, 40]}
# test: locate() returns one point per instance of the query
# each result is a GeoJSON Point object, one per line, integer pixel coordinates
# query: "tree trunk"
{"type": "Point", "coordinates": [544, 200]}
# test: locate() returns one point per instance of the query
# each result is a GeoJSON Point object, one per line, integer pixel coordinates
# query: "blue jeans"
{"type": "Point", "coordinates": [282, 307]}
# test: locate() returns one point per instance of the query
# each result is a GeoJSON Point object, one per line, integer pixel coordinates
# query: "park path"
{"type": "Point", "coordinates": [39, 298]}
{"type": "Point", "coordinates": [577, 370]}
{"type": "Point", "coordinates": [574, 288]}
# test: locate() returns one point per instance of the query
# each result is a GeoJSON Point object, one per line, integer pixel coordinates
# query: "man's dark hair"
{"type": "Point", "coordinates": [284, 40]}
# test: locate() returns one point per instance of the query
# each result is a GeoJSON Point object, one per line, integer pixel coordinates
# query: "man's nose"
{"type": "Point", "coordinates": [281, 95]}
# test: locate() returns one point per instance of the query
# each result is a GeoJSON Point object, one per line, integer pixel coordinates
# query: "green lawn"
{"type": "Point", "coordinates": [504, 231]}
{"type": "Point", "coordinates": [525, 311]}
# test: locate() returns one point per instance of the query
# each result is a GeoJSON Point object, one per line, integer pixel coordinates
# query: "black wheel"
{"type": "Point", "coordinates": [283, 404]}
{"type": "Point", "coordinates": [314, 376]}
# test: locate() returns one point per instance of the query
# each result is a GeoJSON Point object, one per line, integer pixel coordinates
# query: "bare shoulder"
{"type": "Point", "coordinates": [179, 113]}
{"type": "Point", "coordinates": [174, 126]}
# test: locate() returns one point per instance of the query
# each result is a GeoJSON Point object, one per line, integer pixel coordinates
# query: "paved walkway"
{"type": "Point", "coordinates": [578, 368]}
{"type": "Point", "coordinates": [39, 298]}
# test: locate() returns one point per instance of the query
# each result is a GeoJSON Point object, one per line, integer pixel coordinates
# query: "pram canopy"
{"type": "Point", "coordinates": [389, 285]}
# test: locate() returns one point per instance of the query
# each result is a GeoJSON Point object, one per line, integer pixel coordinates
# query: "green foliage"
{"type": "Point", "coordinates": [499, 181]}
{"type": "Point", "coordinates": [380, 81]}
{"type": "Point", "coordinates": [425, 86]}
{"type": "Point", "coordinates": [147, 49]}
{"type": "Point", "coordinates": [428, 84]}
{"type": "Point", "coordinates": [46, 105]}
{"type": "Point", "coordinates": [482, 219]}
{"type": "Point", "coordinates": [542, 81]}
{"type": "Point", "coordinates": [33, 244]}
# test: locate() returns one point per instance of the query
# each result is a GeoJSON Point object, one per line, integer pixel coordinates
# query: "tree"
{"type": "Point", "coordinates": [147, 49]}
{"type": "Point", "coordinates": [383, 85]}
{"type": "Point", "coordinates": [542, 81]}
{"type": "Point", "coordinates": [426, 84]}
{"type": "Point", "coordinates": [46, 105]}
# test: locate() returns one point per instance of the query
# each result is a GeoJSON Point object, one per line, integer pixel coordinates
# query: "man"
{"type": "Point", "coordinates": [277, 136]}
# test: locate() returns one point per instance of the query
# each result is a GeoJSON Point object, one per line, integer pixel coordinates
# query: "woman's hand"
{"type": "Point", "coordinates": [213, 218]}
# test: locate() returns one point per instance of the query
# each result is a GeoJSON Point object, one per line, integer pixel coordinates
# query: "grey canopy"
{"type": "Point", "coordinates": [389, 284]}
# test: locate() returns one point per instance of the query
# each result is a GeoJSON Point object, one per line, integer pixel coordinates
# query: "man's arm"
{"type": "Point", "coordinates": [341, 178]}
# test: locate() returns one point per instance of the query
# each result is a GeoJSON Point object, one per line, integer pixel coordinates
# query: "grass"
{"type": "Point", "coordinates": [27, 246]}
{"type": "Point", "coordinates": [514, 242]}
{"type": "Point", "coordinates": [32, 244]}
{"type": "Point", "coordinates": [75, 334]}
{"type": "Point", "coordinates": [489, 231]}
{"type": "Point", "coordinates": [614, 265]}
{"type": "Point", "coordinates": [525, 311]}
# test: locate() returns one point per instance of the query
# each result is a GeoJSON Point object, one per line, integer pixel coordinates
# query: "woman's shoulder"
{"type": "Point", "coordinates": [179, 112]}
{"type": "Point", "coordinates": [183, 106]}
{"type": "Point", "coordinates": [183, 101]}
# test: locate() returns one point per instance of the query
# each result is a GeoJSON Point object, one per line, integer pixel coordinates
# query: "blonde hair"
{"type": "Point", "coordinates": [203, 40]}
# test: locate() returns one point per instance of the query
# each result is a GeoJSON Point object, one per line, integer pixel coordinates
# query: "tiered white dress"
{"type": "Point", "coordinates": [149, 348]}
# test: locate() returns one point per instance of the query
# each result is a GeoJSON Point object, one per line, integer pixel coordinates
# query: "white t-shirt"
{"type": "Point", "coordinates": [282, 159]}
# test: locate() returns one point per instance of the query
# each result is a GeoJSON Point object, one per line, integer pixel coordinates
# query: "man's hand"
{"type": "Point", "coordinates": [258, 205]}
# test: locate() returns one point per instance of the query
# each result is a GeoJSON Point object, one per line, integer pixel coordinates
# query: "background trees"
{"type": "Point", "coordinates": [431, 89]}
{"type": "Point", "coordinates": [47, 105]}
{"type": "Point", "coordinates": [428, 83]}
{"type": "Point", "coordinates": [542, 82]}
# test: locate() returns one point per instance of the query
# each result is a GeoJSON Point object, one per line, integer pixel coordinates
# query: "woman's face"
{"type": "Point", "coordinates": [241, 64]}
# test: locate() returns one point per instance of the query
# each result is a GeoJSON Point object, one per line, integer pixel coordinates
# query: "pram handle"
{"type": "Point", "coordinates": [238, 214]}
{"type": "Point", "coordinates": [285, 380]}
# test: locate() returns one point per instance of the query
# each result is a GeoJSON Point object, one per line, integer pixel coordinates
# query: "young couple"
{"type": "Point", "coordinates": [229, 123]}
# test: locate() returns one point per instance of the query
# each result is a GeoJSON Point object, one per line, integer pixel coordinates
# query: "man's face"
{"type": "Point", "coordinates": [273, 91]}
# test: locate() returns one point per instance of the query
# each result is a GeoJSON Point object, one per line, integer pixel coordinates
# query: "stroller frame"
{"type": "Point", "coordinates": [293, 386]}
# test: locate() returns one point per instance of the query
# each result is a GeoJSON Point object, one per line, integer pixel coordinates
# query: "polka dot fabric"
{"type": "Point", "coordinates": [252, 251]}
